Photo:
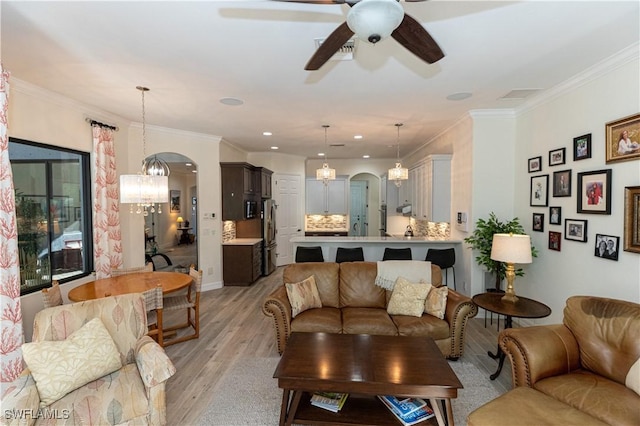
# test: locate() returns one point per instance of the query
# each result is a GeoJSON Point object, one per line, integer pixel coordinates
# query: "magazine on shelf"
{"type": "Point", "coordinates": [332, 401]}
{"type": "Point", "coordinates": [403, 406]}
{"type": "Point", "coordinates": [413, 417]}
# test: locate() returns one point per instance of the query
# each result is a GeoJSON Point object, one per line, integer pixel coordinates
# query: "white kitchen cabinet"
{"type": "Point", "coordinates": [326, 199]}
{"type": "Point", "coordinates": [431, 189]}
{"type": "Point", "coordinates": [389, 194]}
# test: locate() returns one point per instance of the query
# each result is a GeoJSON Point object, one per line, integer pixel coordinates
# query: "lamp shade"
{"type": "Point", "coordinates": [374, 20]}
{"type": "Point", "coordinates": [511, 248]}
{"type": "Point", "coordinates": [180, 220]}
{"type": "Point", "coordinates": [144, 189]}
{"type": "Point", "coordinates": [325, 173]}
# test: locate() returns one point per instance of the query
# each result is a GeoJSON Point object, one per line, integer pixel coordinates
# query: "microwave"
{"type": "Point", "coordinates": [250, 209]}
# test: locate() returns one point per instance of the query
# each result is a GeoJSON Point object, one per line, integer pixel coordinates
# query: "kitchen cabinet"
{"type": "Point", "coordinates": [242, 189]}
{"type": "Point", "coordinates": [429, 189]}
{"type": "Point", "coordinates": [327, 199]}
{"type": "Point", "coordinates": [389, 194]}
{"type": "Point", "coordinates": [265, 182]}
{"type": "Point", "coordinates": [241, 262]}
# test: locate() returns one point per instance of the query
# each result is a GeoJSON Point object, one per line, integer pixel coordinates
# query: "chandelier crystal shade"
{"type": "Point", "coordinates": [398, 173]}
{"type": "Point", "coordinates": [325, 173]}
{"type": "Point", "coordinates": [151, 185]}
{"type": "Point", "coordinates": [374, 20]}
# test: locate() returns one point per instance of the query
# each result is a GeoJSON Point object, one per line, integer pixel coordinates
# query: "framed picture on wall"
{"type": "Point", "coordinates": [535, 164]}
{"type": "Point", "coordinates": [539, 196]}
{"type": "Point", "coordinates": [555, 239]}
{"type": "Point", "coordinates": [555, 215]}
{"type": "Point", "coordinates": [582, 147]}
{"type": "Point", "coordinates": [594, 192]}
{"type": "Point", "coordinates": [607, 246]}
{"type": "Point", "coordinates": [632, 219]}
{"type": "Point", "coordinates": [623, 139]}
{"type": "Point", "coordinates": [562, 183]}
{"type": "Point", "coordinates": [575, 230]}
{"type": "Point", "coordinates": [174, 197]}
{"type": "Point", "coordinates": [538, 222]}
{"type": "Point", "coordinates": [557, 157]}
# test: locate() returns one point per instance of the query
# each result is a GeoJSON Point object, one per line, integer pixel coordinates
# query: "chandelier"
{"type": "Point", "coordinates": [151, 185]}
{"type": "Point", "coordinates": [398, 173]}
{"type": "Point", "coordinates": [325, 173]}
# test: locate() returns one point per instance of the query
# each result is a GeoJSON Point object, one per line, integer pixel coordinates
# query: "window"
{"type": "Point", "coordinates": [53, 210]}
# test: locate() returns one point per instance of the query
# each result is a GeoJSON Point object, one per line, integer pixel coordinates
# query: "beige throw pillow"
{"type": "Point", "coordinates": [407, 298]}
{"type": "Point", "coordinates": [632, 380]}
{"type": "Point", "coordinates": [436, 302]}
{"type": "Point", "coordinates": [303, 295]}
{"type": "Point", "coordinates": [59, 367]}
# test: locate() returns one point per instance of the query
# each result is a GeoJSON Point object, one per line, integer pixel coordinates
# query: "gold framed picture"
{"type": "Point", "coordinates": [623, 139]}
{"type": "Point", "coordinates": [632, 219]}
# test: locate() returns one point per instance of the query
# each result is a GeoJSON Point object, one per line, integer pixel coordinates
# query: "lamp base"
{"type": "Point", "coordinates": [509, 298]}
{"type": "Point", "coordinates": [510, 293]}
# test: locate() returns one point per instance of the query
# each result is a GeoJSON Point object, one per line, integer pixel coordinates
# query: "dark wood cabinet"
{"type": "Point", "coordinates": [265, 182]}
{"type": "Point", "coordinates": [243, 183]}
{"type": "Point", "coordinates": [241, 264]}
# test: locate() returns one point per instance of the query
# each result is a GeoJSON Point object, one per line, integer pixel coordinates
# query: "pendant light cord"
{"type": "Point", "coordinates": [144, 126]}
{"type": "Point", "coordinates": [398, 125]}
{"type": "Point", "coordinates": [326, 147]}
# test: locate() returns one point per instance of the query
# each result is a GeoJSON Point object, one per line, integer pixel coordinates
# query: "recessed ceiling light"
{"type": "Point", "coordinates": [321, 154]}
{"type": "Point", "coordinates": [231, 101]}
{"type": "Point", "coordinates": [366, 156]}
{"type": "Point", "coordinates": [194, 171]}
{"type": "Point", "coordinates": [267, 133]}
{"type": "Point", "coordinates": [274, 147]}
{"type": "Point", "coordinates": [459, 96]}
{"type": "Point", "coordinates": [188, 164]}
{"type": "Point", "coordinates": [357, 137]}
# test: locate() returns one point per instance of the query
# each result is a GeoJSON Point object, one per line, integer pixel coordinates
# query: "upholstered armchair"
{"type": "Point", "coordinates": [132, 394]}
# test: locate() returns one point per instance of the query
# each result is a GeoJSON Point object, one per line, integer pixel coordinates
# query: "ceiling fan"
{"type": "Point", "coordinates": [372, 21]}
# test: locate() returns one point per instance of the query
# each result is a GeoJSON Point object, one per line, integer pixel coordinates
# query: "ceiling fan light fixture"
{"type": "Point", "coordinates": [374, 20]}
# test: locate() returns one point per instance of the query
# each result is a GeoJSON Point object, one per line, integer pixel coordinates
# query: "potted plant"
{"type": "Point", "coordinates": [31, 222]}
{"type": "Point", "coordinates": [482, 240]}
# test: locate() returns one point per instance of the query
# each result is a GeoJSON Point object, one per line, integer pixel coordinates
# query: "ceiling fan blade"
{"type": "Point", "coordinates": [417, 40]}
{"type": "Point", "coordinates": [330, 46]}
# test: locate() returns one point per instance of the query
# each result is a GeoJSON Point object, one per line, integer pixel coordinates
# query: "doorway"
{"type": "Point", "coordinates": [364, 191]}
{"type": "Point", "coordinates": [172, 236]}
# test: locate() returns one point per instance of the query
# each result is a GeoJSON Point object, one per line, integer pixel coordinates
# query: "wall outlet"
{"type": "Point", "coordinates": [461, 221]}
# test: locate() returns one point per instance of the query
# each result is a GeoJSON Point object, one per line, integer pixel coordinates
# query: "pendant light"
{"type": "Point", "coordinates": [398, 173]}
{"type": "Point", "coordinates": [325, 174]}
{"type": "Point", "coordinates": [151, 185]}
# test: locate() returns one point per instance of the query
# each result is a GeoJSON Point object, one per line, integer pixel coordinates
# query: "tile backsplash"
{"type": "Point", "coordinates": [424, 228]}
{"type": "Point", "coordinates": [328, 222]}
{"type": "Point", "coordinates": [228, 230]}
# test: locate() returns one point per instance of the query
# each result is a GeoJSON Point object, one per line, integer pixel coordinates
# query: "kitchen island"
{"type": "Point", "coordinates": [373, 247]}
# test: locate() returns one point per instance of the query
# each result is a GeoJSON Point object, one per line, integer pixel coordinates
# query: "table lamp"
{"type": "Point", "coordinates": [180, 220]}
{"type": "Point", "coordinates": [510, 249]}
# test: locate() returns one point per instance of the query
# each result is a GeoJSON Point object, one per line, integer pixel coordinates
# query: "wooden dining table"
{"type": "Point", "coordinates": [130, 283]}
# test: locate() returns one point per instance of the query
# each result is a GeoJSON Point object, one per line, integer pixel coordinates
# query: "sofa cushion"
{"type": "Point", "coordinates": [323, 320]}
{"type": "Point", "coordinates": [117, 398]}
{"type": "Point", "coordinates": [436, 302]}
{"type": "Point", "coordinates": [594, 395]}
{"type": "Point", "coordinates": [426, 325]}
{"type": "Point", "coordinates": [58, 367]}
{"type": "Point", "coordinates": [367, 321]}
{"type": "Point", "coordinates": [357, 286]}
{"type": "Point", "coordinates": [325, 275]}
{"type": "Point", "coordinates": [303, 295]}
{"type": "Point", "coordinates": [607, 332]}
{"type": "Point", "coordinates": [408, 298]}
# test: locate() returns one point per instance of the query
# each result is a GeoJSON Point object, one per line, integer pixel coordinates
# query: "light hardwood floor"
{"type": "Point", "coordinates": [232, 326]}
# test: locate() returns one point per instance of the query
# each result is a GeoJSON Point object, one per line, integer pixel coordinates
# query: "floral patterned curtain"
{"type": "Point", "coordinates": [10, 311]}
{"type": "Point", "coordinates": [107, 240]}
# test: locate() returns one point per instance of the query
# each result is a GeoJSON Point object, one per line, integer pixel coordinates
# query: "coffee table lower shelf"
{"type": "Point", "coordinates": [357, 410]}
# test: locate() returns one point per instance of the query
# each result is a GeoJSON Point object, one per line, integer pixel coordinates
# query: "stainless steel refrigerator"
{"type": "Point", "coordinates": [268, 216]}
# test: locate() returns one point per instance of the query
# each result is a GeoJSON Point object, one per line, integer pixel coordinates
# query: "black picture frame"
{"type": "Point", "coordinates": [537, 222]}
{"type": "Point", "coordinates": [609, 242]}
{"type": "Point", "coordinates": [594, 192]}
{"type": "Point", "coordinates": [562, 183]}
{"type": "Point", "coordinates": [534, 164]}
{"type": "Point", "coordinates": [555, 240]}
{"type": "Point", "coordinates": [575, 230]}
{"type": "Point", "coordinates": [557, 156]}
{"type": "Point", "coordinates": [555, 215]}
{"type": "Point", "coordinates": [539, 192]}
{"type": "Point", "coordinates": [582, 147]}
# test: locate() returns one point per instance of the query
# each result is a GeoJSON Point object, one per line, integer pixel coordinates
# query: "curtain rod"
{"type": "Point", "coordinates": [98, 123]}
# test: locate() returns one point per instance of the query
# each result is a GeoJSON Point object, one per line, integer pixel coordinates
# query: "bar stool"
{"type": "Point", "coordinates": [445, 259]}
{"type": "Point", "coordinates": [354, 254]}
{"type": "Point", "coordinates": [309, 254]}
{"type": "Point", "coordinates": [397, 254]}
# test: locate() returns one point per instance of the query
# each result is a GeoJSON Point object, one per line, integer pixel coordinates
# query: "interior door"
{"type": "Point", "coordinates": [288, 215]}
{"type": "Point", "coordinates": [358, 212]}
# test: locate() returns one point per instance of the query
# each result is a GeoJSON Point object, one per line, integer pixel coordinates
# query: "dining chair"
{"type": "Point", "coordinates": [190, 302]}
{"type": "Point", "coordinates": [52, 296]}
{"type": "Point", "coordinates": [148, 267]}
{"type": "Point", "coordinates": [154, 305]}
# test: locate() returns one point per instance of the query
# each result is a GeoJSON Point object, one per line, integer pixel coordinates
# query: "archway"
{"type": "Point", "coordinates": [364, 209]}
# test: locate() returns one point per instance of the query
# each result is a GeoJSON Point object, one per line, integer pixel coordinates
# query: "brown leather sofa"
{"type": "Point", "coordinates": [353, 304]}
{"type": "Point", "coordinates": [575, 372]}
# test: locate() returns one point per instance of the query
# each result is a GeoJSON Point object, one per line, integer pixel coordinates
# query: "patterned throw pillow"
{"type": "Point", "coordinates": [58, 367]}
{"type": "Point", "coordinates": [436, 302]}
{"type": "Point", "coordinates": [303, 295]}
{"type": "Point", "coordinates": [408, 298]}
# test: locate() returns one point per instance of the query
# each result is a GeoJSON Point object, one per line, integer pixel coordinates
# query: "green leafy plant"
{"type": "Point", "coordinates": [482, 239]}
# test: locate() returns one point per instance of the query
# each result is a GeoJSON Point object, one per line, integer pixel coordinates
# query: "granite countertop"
{"type": "Point", "coordinates": [242, 242]}
{"type": "Point", "coordinates": [326, 230]}
{"type": "Point", "coordinates": [389, 239]}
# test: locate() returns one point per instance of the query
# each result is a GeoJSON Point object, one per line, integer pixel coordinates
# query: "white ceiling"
{"type": "Point", "coordinates": [192, 54]}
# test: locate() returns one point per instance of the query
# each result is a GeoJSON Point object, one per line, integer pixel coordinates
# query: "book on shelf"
{"type": "Point", "coordinates": [414, 416]}
{"type": "Point", "coordinates": [332, 401]}
{"type": "Point", "coordinates": [403, 406]}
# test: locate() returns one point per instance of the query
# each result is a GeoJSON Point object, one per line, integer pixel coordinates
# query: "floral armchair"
{"type": "Point", "coordinates": [133, 394]}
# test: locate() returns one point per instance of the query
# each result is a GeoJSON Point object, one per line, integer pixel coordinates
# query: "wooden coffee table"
{"type": "Point", "coordinates": [363, 366]}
